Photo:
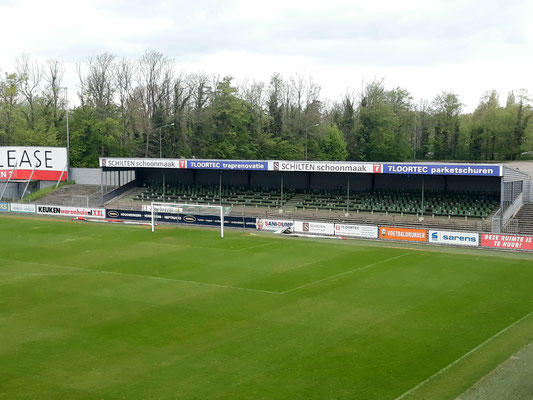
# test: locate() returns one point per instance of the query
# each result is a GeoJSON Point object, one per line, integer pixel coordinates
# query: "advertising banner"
{"type": "Point", "coordinates": [500, 241]}
{"type": "Point", "coordinates": [412, 235]}
{"type": "Point", "coordinates": [4, 207]}
{"type": "Point", "coordinates": [228, 165]}
{"type": "Point", "coordinates": [143, 163]}
{"type": "Point", "coordinates": [161, 209]}
{"type": "Point", "coordinates": [209, 220]}
{"type": "Point", "coordinates": [71, 211]}
{"type": "Point", "coordinates": [324, 166]}
{"type": "Point", "coordinates": [443, 169]}
{"type": "Point", "coordinates": [321, 228]}
{"type": "Point", "coordinates": [23, 208]}
{"type": "Point", "coordinates": [272, 224]}
{"type": "Point", "coordinates": [39, 163]}
{"type": "Point", "coordinates": [455, 238]}
{"type": "Point", "coordinates": [363, 231]}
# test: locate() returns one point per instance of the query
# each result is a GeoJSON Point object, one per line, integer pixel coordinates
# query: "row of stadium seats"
{"type": "Point", "coordinates": [471, 204]}
{"type": "Point", "coordinates": [231, 196]}
{"type": "Point", "coordinates": [453, 204]}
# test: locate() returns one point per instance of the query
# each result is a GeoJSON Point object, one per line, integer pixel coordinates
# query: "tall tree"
{"type": "Point", "coordinates": [447, 108]}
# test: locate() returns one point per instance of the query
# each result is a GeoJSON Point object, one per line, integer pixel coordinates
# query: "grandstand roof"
{"type": "Point", "coordinates": [413, 168]}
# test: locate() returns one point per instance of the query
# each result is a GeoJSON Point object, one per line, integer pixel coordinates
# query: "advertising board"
{"type": "Point", "coordinates": [455, 238]}
{"type": "Point", "coordinates": [321, 228]}
{"type": "Point", "coordinates": [443, 169]}
{"type": "Point", "coordinates": [178, 163]}
{"type": "Point", "coordinates": [272, 224]}
{"type": "Point", "coordinates": [209, 220]}
{"type": "Point", "coordinates": [4, 207]}
{"type": "Point", "coordinates": [71, 211]}
{"type": "Point", "coordinates": [363, 231]}
{"type": "Point", "coordinates": [228, 165]}
{"type": "Point", "coordinates": [39, 163]}
{"type": "Point", "coordinates": [324, 166]}
{"type": "Point", "coordinates": [502, 241]}
{"type": "Point", "coordinates": [408, 234]}
{"type": "Point", "coordinates": [161, 209]}
{"type": "Point", "coordinates": [23, 208]}
{"type": "Point", "coordinates": [142, 163]}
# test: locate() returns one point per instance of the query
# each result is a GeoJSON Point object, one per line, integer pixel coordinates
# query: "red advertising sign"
{"type": "Point", "coordinates": [500, 241]}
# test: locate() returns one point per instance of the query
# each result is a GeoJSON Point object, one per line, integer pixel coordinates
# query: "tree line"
{"type": "Point", "coordinates": [146, 108]}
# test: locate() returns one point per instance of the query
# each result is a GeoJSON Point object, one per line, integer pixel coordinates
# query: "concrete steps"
{"type": "Point", "coordinates": [74, 196]}
{"type": "Point", "coordinates": [524, 216]}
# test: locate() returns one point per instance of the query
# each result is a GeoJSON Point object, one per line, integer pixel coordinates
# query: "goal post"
{"type": "Point", "coordinates": [188, 209]}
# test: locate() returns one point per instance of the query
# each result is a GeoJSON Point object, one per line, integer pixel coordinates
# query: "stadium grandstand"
{"type": "Point", "coordinates": [479, 197]}
{"type": "Point", "coordinates": [446, 195]}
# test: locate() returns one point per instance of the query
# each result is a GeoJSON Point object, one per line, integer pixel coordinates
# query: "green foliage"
{"type": "Point", "coordinates": [206, 117]}
{"type": "Point", "coordinates": [44, 192]}
{"type": "Point", "coordinates": [334, 145]}
{"type": "Point", "coordinates": [92, 138]}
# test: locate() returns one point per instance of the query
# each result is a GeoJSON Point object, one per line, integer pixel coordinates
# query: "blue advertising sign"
{"type": "Point", "coordinates": [210, 220]}
{"type": "Point", "coordinates": [4, 207]}
{"type": "Point", "coordinates": [228, 165]}
{"type": "Point", "coordinates": [443, 169]}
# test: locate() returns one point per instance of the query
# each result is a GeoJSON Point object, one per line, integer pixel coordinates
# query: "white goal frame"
{"type": "Point", "coordinates": [178, 207]}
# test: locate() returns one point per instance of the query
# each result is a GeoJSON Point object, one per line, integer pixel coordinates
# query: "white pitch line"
{"type": "Point", "coordinates": [33, 274]}
{"type": "Point", "coordinates": [463, 357]}
{"type": "Point", "coordinates": [190, 282]}
{"type": "Point", "coordinates": [255, 247]}
{"type": "Point", "coordinates": [147, 277]}
{"type": "Point", "coordinates": [343, 273]}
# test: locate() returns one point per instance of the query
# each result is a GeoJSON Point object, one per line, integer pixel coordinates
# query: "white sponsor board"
{"type": "Point", "coordinates": [143, 163]}
{"type": "Point", "coordinates": [162, 209]}
{"type": "Point", "coordinates": [363, 231]}
{"type": "Point", "coordinates": [23, 208]}
{"type": "Point", "coordinates": [37, 163]}
{"type": "Point", "coordinates": [272, 224]}
{"type": "Point", "coordinates": [456, 238]}
{"type": "Point", "coordinates": [71, 211]}
{"type": "Point", "coordinates": [324, 166]}
{"type": "Point", "coordinates": [322, 228]}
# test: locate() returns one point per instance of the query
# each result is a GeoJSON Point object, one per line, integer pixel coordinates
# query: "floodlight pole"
{"type": "Point", "coordinates": [160, 147]}
{"type": "Point", "coordinates": [68, 132]}
{"type": "Point", "coordinates": [306, 130]}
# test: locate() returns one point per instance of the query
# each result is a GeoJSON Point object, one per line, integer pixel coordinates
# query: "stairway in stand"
{"type": "Point", "coordinates": [525, 219]}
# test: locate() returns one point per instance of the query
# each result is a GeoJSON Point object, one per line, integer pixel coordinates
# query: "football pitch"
{"type": "Point", "coordinates": [94, 311]}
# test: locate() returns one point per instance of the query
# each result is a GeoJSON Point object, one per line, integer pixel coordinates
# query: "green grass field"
{"type": "Point", "coordinates": [94, 311]}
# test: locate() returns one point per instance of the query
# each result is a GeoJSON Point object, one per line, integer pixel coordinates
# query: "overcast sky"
{"type": "Point", "coordinates": [425, 46]}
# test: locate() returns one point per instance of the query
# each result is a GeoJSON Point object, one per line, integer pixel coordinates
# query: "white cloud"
{"type": "Point", "coordinates": [424, 46]}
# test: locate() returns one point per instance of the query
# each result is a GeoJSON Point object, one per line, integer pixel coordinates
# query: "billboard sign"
{"type": "Point", "coordinates": [455, 238]}
{"type": "Point", "coordinates": [192, 219]}
{"type": "Point", "coordinates": [23, 208]}
{"type": "Point", "coordinates": [363, 231]}
{"type": "Point", "coordinates": [4, 207]}
{"type": "Point", "coordinates": [443, 169]}
{"type": "Point", "coordinates": [228, 165]}
{"type": "Point", "coordinates": [502, 241]}
{"type": "Point", "coordinates": [320, 228]}
{"type": "Point", "coordinates": [39, 163]}
{"type": "Point", "coordinates": [71, 211]}
{"type": "Point", "coordinates": [324, 166]}
{"type": "Point", "coordinates": [408, 234]}
{"type": "Point", "coordinates": [272, 224]}
{"type": "Point", "coordinates": [142, 163]}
